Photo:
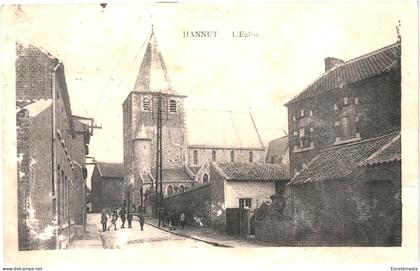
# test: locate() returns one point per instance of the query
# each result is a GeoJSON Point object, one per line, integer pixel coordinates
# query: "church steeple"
{"type": "Point", "coordinates": [153, 75]}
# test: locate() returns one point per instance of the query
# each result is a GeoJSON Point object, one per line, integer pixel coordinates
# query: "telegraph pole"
{"type": "Point", "coordinates": [160, 116]}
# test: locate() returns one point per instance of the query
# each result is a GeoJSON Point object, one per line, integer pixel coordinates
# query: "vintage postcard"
{"type": "Point", "coordinates": [186, 134]}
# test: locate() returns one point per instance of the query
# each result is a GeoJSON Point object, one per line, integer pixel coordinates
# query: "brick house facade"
{"type": "Point", "coordinates": [51, 148]}
{"type": "Point", "coordinates": [345, 158]}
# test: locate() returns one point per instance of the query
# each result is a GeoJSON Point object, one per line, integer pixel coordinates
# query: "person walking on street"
{"type": "Point", "coordinates": [122, 215]}
{"type": "Point", "coordinates": [104, 219]}
{"type": "Point", "coordinates": [141, 220]}
{"type": "Point", "coordinates": [114, 219]}
{"type": "Point", "coordinates": [130, 215]}
{"type": "Point", "coordinates": [160, 214]}
{"type": "Point", "coordinates": [182, 219]}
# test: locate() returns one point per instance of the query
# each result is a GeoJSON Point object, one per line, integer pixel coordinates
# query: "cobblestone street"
{"type": "Point", "coordinates": [150, 237]}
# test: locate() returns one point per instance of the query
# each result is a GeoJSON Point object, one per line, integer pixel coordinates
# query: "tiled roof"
{"type": "Point", "coordinates": [170, 175]}
{"type": "Point", "coordinates": [340, 161]}
{"type": "Point", "coordinates": [277, 148]}
{"type": "Point", "coordinates": [253, 171]}
{"type": "Point", "coordinates": [354, 70]}
{"type": "Point", "coordinates": [110, 170]}
{"type": "Point", "coordinates": [389, 153]}
{"type": "Point", "coordinates": [222, 129]}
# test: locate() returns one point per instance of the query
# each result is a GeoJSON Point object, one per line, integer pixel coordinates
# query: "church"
{"type": "Point", "coordinates": [189, 143]}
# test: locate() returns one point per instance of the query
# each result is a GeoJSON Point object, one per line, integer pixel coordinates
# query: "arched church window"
{"type": "Point", "coordinates": [232, 156]}
{"type": "Point", "coordinates": [195, 157]}
{"type": "Point", "coordinates": [213, 156]}
{"type": "Point", "coordinates": [251, 157]}
{"type": "Point", "coordinates": [181, 189]}
{"type": "Point", "coordinates": [169, 190]}
{"type": "Point", "coordinates": [146, 104]}
{"type": "Point", "coordinates": [172, 106]}
{"type": "Point", "coordinates": [205, 178]}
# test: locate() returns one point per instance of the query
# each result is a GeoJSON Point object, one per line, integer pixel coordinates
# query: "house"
{"type": "Point", "coordinates": [107, 186]}
{"type": "Point", "coordinates": [345, 158]}
{"type": "Point", "coordinates": [51, 148]}
{"type": "Point", "coordinates": [228, 200]}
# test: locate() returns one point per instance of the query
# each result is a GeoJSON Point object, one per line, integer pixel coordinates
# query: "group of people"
{"type": "Point", "coordinates": [125, 214]}
{"type": "Point", "coordinates": [172, 218]}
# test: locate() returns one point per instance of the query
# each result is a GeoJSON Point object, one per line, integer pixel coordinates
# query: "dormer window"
{"type": "Point", "coordinates": [146, 104]}
{"type": "Point", "coordinates": [172, 106]}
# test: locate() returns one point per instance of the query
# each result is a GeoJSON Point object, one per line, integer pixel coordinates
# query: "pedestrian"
{"type": "Point", "coordinates": [182, 219]}
{"type": "Point", "coordinates": [141, 220]}
{"type": "Point", "coordinates": [160, 214]}
{"type": "Point", "coordinates": [130, 215]}
{"type": "Point", "coordinates": [104, 219]}
{"type": "Point", "coordinates": [114, 219]}
{"type": "Point", "coordinates": [122, 216]}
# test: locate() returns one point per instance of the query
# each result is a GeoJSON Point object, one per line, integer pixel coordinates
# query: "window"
{"type": "Point", "coordinates": [195, 157]}
{"type": "Point", "coordinates": [305, 137]}
{"type": "Point", "coordinates": [205, 178]}
{"type": "Point", "coordinates": [245, 203]}
{"type": "Point", "coordinates": [295, 133]}
{"type": "Point", "coordinates": [146, 104]}
{"type": "Point", "coordinates": [346, 125]}
{"type": "Point", "coordinates": [294, 118]}
{"type": "Point", "coordinates": [232, 156]}
{"type": "Point", "coordinates": [181, 189]}
{"type": "Point", "coordinates": [272, 159]}
{"type": "Point", "coordinates": [302, 112]}
{"type": "Point", "coordinates": [251, 157]}
{"type": "Point", "coordinates": [346, 100]}
{"type": "Point", "coordinates": [213, 156]}
{"type": "Point", "coordinates": [172, 106]}
{"type": "Point", "coordinates": [335, 107]}
{"type": "Point", "coordinates": [356, 100]}
{"type": "Point", "coordinates": [311, 114]}
{"type": "Point", "coordinates": [169, 190]}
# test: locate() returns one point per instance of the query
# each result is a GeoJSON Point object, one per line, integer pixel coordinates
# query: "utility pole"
{"type": "Point", "coordinates": [160, 116]}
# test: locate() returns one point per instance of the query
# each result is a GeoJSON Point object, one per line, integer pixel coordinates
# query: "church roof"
{"type": "Point", "coordinates": [222, 129]}
{"type": "Point", "coordinates": [357, 69]}
{"type": "Point", "coordinates": [173, 175]}
{"type": "Point", "coordinates": [153, 74]}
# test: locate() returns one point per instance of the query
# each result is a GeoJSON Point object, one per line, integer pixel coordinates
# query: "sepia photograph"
{"type": "Point", "coordinates": [260, 129]}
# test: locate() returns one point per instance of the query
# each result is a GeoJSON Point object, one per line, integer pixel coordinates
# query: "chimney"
{"type": "Point", "coordinates": [331, 62]}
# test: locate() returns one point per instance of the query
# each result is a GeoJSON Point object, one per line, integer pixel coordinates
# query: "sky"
{"type": "Point", "coordinates": [102, 48]}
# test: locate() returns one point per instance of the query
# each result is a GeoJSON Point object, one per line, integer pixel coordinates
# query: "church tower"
{"type": "Point", "coordinates": [139, 121]}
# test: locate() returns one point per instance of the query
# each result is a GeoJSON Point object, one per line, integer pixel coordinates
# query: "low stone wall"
{"type": "Point", "coordinates": [195, 203]}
